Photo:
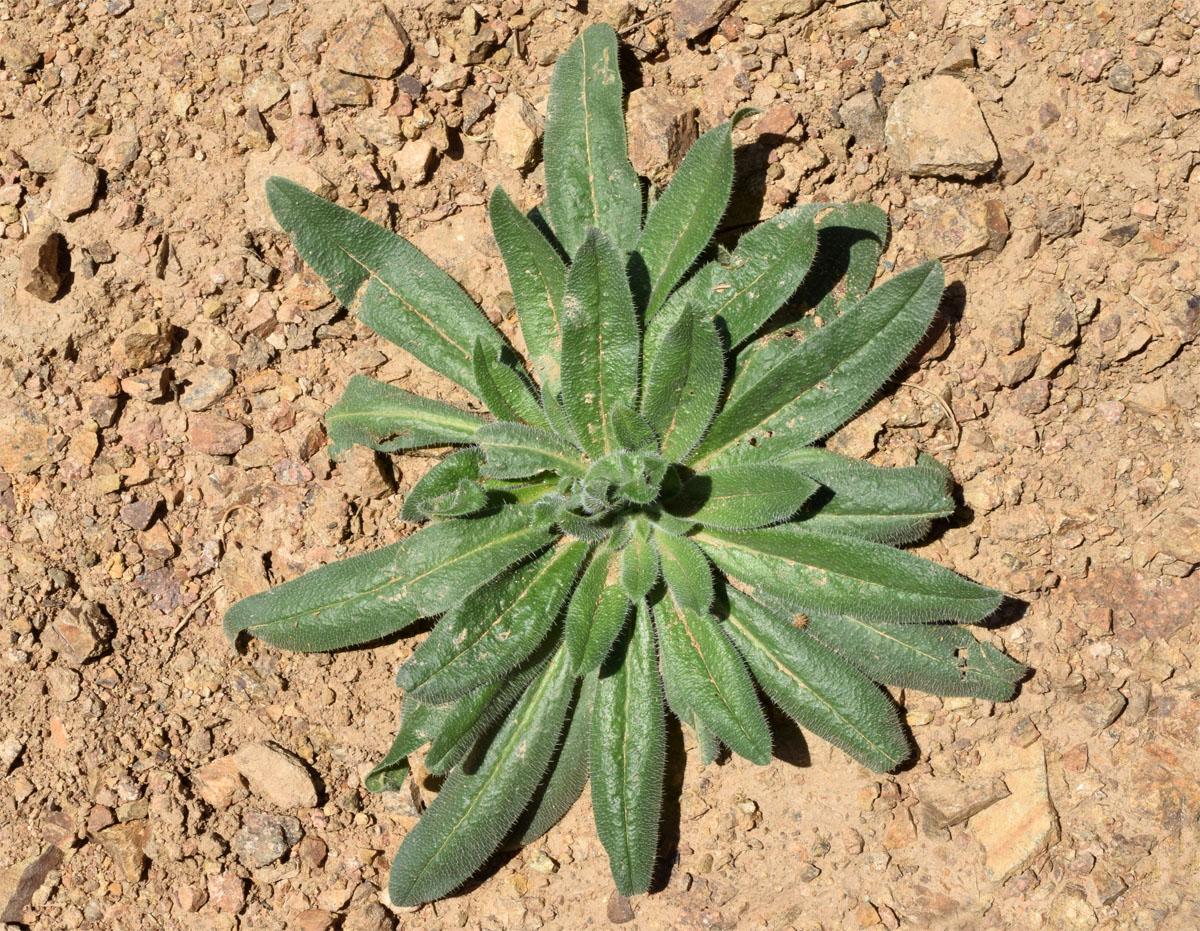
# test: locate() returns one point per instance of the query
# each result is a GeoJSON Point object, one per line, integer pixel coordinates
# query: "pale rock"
{"type": "Point", "coordinates": [517, 129]}
{"type": "Point", "coordinates": [857, 19]}
{"type": "Point", "coordinates": [661, 128]}
{"type": "Point", "coordinates": [376, 47]}
{"type": "Point", "coordinates": [74, 190]}
{"type": "Point", "coordinates": [1016, 830]}
{"type": "Point", "coordinates": [218, 781]}
{"type": "Point", "coordinates": [126, 846]}
{"type": "Point", "coordinates": [276, 775]}
{"type": "Point", "coordinates": [952, 226]}
{"type": "Point", "coordinates": [414, 161]}
{"type": "Point", "coordinates": [961, 57]}
{"type": "Point", "coordinates": [935, 128]}
{"type": "Point", "coordinates": [79, 633]}
{"type": "Point", "coordinates": [769, 12]}
{"type": "Point", "coordinates": [263, 165]}
{"type": "Point", "coordinates": [266, 90]}
{"type": "Point", "coordinates": [24, 438]}
{"type": "Point", "coordinates": [365, 473]}
{"type": "Point", "coordinates": [946, 801]}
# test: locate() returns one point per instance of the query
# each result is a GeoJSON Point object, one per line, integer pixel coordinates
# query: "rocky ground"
{"type": "Point", "coordinates": [165, 362]}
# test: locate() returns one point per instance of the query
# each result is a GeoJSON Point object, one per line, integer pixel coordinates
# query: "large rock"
{"type": "Point", "coordinates": [42, 271]}
{"type": "Point", "coordinates": [517, 130]}
{"type": "Point", "coordinates": [693, 18]}
{"type": "Point", "coordinates": [276, 775]}
{"type": "Point", "coordinates": [1016, 830]}
{"type": "Point", "coordinates": [20, 881]}
{"type": "Point", "coordinates": [74, 189]}
{"type": "Point", "coordinates": [377, 47]}
{"type": "Point", "coordinates": [935, 127]}
{"type": "Point", "coordinates": [24, 438]}
{"type": "Point", "coordinates": [661, 128]}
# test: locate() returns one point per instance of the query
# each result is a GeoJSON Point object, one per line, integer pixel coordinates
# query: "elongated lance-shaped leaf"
{"type": "Point", "coordinates": [827, 378]}
{"type": "Point", "coordinates": [375, 414]}
{"type": "Point", "coordinates": [568, 772]}
{"type": "Point", "coordinates": [557, 418]}
{"type": "Point", "coordinates": [596, 612]}
{"type": "Point", "coordinates": [494, 628]}
{"type": "Point", "coordinates": [507, 391]}
{"type": "Point", "coordinates": [514, 450]}
{"type": "Point", "coordinates": [628, 756]}
{"type": "Point", "coordinates": [684, 218]}
{"type": "Point", "coordinates": [742, 497]}
{"type": "Point", "coordinates": [343, 604]}
{"type": "Point", "coordinates": [639, 563]}
{"type": "Point", "coordinates": [632, 430]}
{"type": "Point", "coordinates": [452, 488]}
{"type": "Point", "coordinates": [707, 673]}
{"type": "Point", "coordinates": [472, 715]}
{"type": "Point", "coordinates": [589, 179]}
{"type": "Point", "coordinates": [684, 384]}
{"type": "Point", "coordinates": [942, 659]}
{"type": "Point", "coordinates": [419, 724]}
{"type": "Point", "coordinates": [536, 274]}
{"type": "Point", "coordinates": [816, 687]}
{"type": "Point", "coordinates": [887, 505]}
{"type": "Point", "coordinates": [685, 570]}
{"type": "Point", "coordinates": [850, 240]}
{"type": "Point", "coordinates": [706, 740]}
{"type": "Point", "coordinates": [601, 344]}
{"type": "Point", "coordinates": [764, 270]}
{"type": "Point", "coordinates": [478, 804]}
{"type": "Point", "coordinates": [385, 281]}
{"type": "Point", "coordinates": [842, 575]}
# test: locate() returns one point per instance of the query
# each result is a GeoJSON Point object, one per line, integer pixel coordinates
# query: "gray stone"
{"type": "Point", "coordinates": [209, 383]}
{"type": "Point", "coordinates": [864, 117]}
{"type": "Point", "coordinates": [1121, 78]}
{"type": "Point", "coordinates": [935, 128]}
{"type": "Point", "coordinates": [19, 882]}
{"type": "Point", "coordinates": [264, 838]}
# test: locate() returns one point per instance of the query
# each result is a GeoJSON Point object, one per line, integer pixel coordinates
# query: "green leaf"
{"type": "Point", "coordinates": [742, 497]}
{"type": "Point", "coordinates": [700, 664]}
{"type": "Point", "coordinates": [479, 804]}
{"type": "Point", "coordinates": [764, 271]}
{"type": "Point", "coordinates": [536, 274]}
{"type": "Point", "coordinates": [512, 450]}
{"type": "Point", "coordinates": [628, 755]}
{"type": "Point", "coordinates": [385, 281]}
{"type": "Point", "coordinates": [683, 220]}
{"type": "Point", "coordinates": [419, 724]}
{"type": "Point", "coordinates": [829, 376]}
{"type": "Point", "coordinates": [596, 612]}
{"type": "Point", "coordinates": [506, 391]}
{"type": "Point", "coordinates": [892, 506]}
{"type": "Point", "coordinates": [568, 772]}
{"type": "Point", "coordinates": [632, 431]}
{"type": "Point", "coordinates": [684, 384]}
{"type": "Point", "coordinates": [685, 570]}
{"type": "Point", "coordinates": [818, 688]}
{"type": "Point", "coordinates": [494, 628]}
{"type": "Point", "coordinates": [383, 417]}
{"type": "Point", "coordinates": [557, 418]}
{"type": "Point", "coordinates": [342, 604]}
{"type": "Point", "coordinates": [601, 344]}
{"type": "Point", "coordinates": [850, 240]}
{"type": "Point", "coordinates": [452, 488]}
{"type": "Point", "coordinates": [843, 575]}
{"type": "Point", "coordinates": [941, 659]}
{"type": "Point", "coordinates": [589, 180]}
{"type": "Point", "coordinates": [639, 563]}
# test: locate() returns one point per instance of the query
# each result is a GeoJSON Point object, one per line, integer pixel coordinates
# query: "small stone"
{"type": "Point", "coordinates": [365, 473]}
{"type": "Point", "coordinates": [1094, 61]}
{"type": "Point", "coordinates": [209, 383]}
{"type": "Point", "coordinates": [11, 748]}
{"type": "Point", "coordinates": [266, 90]}
{"type": "Point", "coordinates": [1048, 115]}
{"type": "Point", "coordinates": [693, 18]}
{"type": "Point", "coordinates": [147, 342]}
{"type": "Point", "coordinates": [230, 69]}
{"type": "Point", "coordinates": [19, 56]}
{"type": "Point", "coordinates": [43, 270]}
{"type": "Point", "coordinates": [377, 47]}
{"type": "Point", "coordinates": [961, 57]}
{"type": "Point", "coordinates": [312, 850]}
{"type": "Point", "coordinates": [953, 226]}
{"type": "Point", "coordinates": [315, 919]}
{"type": "Point", "coordinates": [864, 117]}
{"type": "Point", "coordinates": [191, 898]}
{"type": "Point", "coordinates": [414, 161]}
{"type": "Point", "coordinates": [475, 103]}
{"type": "Point", "coordinates": [1055, 320]}
{"type": "Point", "coordinates": [471, 48]}
{"type": "Point", "coordinates": [264, 838]}
{"type": "Point", "coordinates": [215, 435]}
{"type": "Point", "coordinates": [1016, 830]}
{"type": "Point", "coordinates": [74, 190]}
{"type": "Point", "coordinates": [226, 892]}
{"type": "Point", "coordinates": [858, 18]}
{"type": "Point", "coordinates": [100, 817]}
{"type": "Point", "coordinates": [517, 129]}
{"type": "Point", "coordinates": [541, 862]}
{"type": "Point", "coordinates": [149, 385]}
{"type": "Point", "coordinates": [1103, 711]}
{"type": "Point", "coordinates": [1177, 533]}
{"type": "Point", "coordinates": [79, 633]}
{"type": "Point", "coordinates": [1033, 397]}
{"type": "Point", "coordinates": [139, 514]}
{"type": "Point", "coordinates": [341, 90]}
{"type": "Point", "coordinates": [1059, 221]}
{"type": "Point", "coordinates": [619, 910]}
{"type": "Point", "coordinates": [19, 882]}
{"type": "Point", "coordinates": [661, 128]}
{"type": "Point", "coordinates": [935, 127]}
{"type": "Point", "coordinates": [218, 781]}
{"type": "Point", "coordinates": [1121, 78]}
{"type": "Point", "coordinates": [125, 844]}
{"type": "Point", "coordinates": [118, 7]}
{"type": "Point", "coordinates": [276, 775]}
{"type": "Point", "coordinates": [64, 684]}
{"type": "Point", "coordinates": [1070, 911]}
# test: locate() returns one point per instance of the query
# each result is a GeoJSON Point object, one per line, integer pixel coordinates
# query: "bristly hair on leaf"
{"type": "Point", "coordinates": [645, 518]}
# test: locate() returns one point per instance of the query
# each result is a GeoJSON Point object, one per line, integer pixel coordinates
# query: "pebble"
{"type": "Point", "coordinates": [1121, 78]}
{"type": "Point", "coordinates": [19, 56]}
{"type": "Point", "coordinates": [377, 47]}
{"type": "Point", "coordinates": [139, 513]}
{"type": "Point", "coordinates": [218, 781]}
{"type": "Point", "coordinates": [208, 384]}
{"type": "Point", "coordinates": [858, 18]}
{"type": "Point", "coordinates": [864, 117]}
{"type": "Point", "coordinates": [619, 910]}
{"type": "Point", "coordinates": [693, 18]}
{"type": "Point", "coordinates": [1094, 61]}
{"type": "Point", "coordinates": [952, 226]}
{"type": "Point", "coordinates": [64, 684]}
{"type": "Point", "coordinates": [191, 898]}
{"type": "Point", "coordinates": [935, 128]}
{"type": "Point", "coordinates": [1070, 911]}
{"type": "Point", "coordinates": [1033, 397]}
{"type": "Point", "coordinates": [276, 775]}
{"type": "Point", "coordinates": [43, 271]}
{"type": "Point", "coordinates": [125, 844]}
{"type": "Point", "coordinates": [414, 161]}
{"type": "Point", "coordinates": [341, 90]}
{"type": "Point", "coordinates": [661, 128]}
{"type": "Point", "coordinates": [315, 919]}
{"type": "Point", "coordinates": [365, 473]}
{"type": "Point", "coordinates": [769, 12]}
{"type": "Point", "coordinates": [19, 882]}
{"type": "Point", "coordinates": [517, 129]}
{"type": "Point", "coordinates": [215, 435]}
{"type": "Point", "coordinates": [74, 189]}
{"type": "Point", "coordinates": [475, 103]}
{"type": "Point", "coordinates": [226, 892]}
{"type": "Point", "coordinates": [1059, 221]}
{"type": "Point", "coordinates": [266, 90]}
{"type": "Point", "coordinates": [147, 342]}
{"type": "Point", "coordinates": [79, 633]}
{"type": "Point", "coordinates": [264, 838]}
{"type": "Point", "coordinates": [24, 438]}
{"type": "Point", "coordinates": [1016, 830]}
{"type": "Point", "coordinates": [961, 57]}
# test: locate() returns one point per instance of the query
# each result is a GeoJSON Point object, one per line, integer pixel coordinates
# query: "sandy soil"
{"type": "Point", "coordinates": [161, 454]}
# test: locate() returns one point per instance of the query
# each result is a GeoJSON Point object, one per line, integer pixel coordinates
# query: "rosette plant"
{"type": "Point", "coordinates": [644, 518]}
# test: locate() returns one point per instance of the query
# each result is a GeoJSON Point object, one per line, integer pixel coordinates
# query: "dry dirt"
{"type": "Point", "coordinates": [1061, 390]}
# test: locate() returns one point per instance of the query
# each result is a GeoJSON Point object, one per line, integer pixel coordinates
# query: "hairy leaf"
{"type": "Point", "coordinates": [596, 612]}
{"type": "Point", "coordinates": [506, 391]}
{"type": "Point", "coordinates": [685, 570]}
{"type": "Point", "coordinates": [684, 385]}
{"type": "Point", "coordinates": [742, 497]}
{"type": "Point", "coordinates": [639, 563]}
{"type": "Point", "coordinates": [452, 488]}
{"type": "Point", "coordinates": [512, 450]}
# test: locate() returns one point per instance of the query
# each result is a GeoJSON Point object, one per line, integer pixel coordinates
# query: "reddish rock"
{"type": "Point", "coordinates": [215, 435]}
{"type": "Point", "coordinates": [376, 47]}
{"type": "Point", "coordinates": [661, 128]}
{"type": "Point", "coordinates": [218, 782]}
{"type": "Point", "coordinates": [42, 272]}
{"type": "Point", "coordinates": [693, 18]}
{"type": "Point", "coordinates": [226, 892]}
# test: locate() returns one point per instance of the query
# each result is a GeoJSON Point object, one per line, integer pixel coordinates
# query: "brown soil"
{"type": "Point", "coordinates": [1066, 360]}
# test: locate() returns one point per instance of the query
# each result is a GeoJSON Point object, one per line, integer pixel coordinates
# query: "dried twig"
{"type": "Point", "coordinates": [946, 409]}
